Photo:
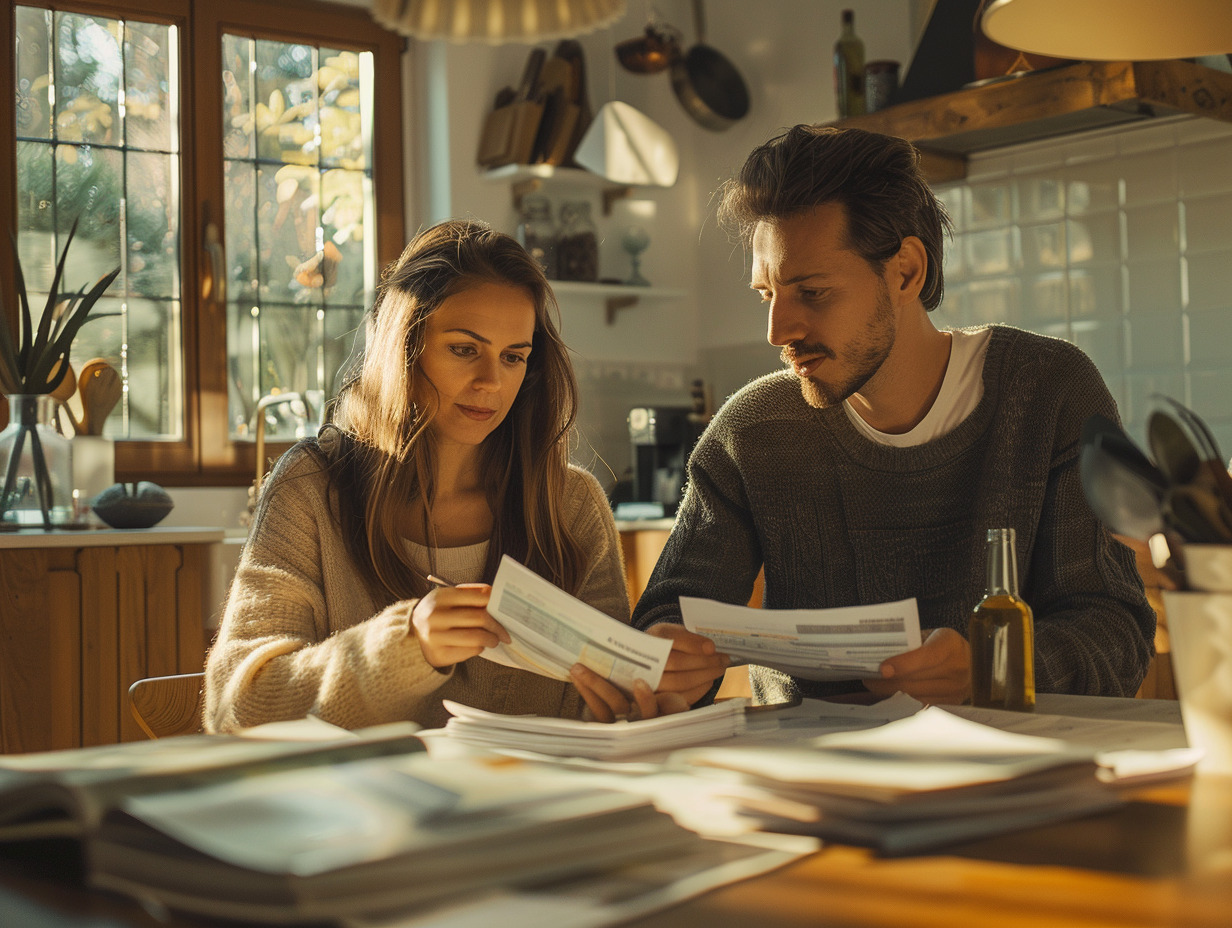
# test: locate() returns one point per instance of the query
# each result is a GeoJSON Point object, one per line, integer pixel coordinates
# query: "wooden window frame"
{"type": "Point", "coordinates": [207, 456]}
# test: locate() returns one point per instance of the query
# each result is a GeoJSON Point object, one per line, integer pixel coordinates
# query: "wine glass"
{"type": "Point", "coordinates": [634, 241]}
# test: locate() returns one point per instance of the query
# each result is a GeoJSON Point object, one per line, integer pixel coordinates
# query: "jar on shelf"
{"type": "Point", "coordinates": [537, 232]}
{"type": "Point", "coordinates": [577, 249]}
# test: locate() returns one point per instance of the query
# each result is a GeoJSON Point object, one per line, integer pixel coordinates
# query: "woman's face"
{"type": "Point", "coordinates": [475, 353]}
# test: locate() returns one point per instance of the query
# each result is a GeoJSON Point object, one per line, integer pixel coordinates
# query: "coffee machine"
{"type": "Point", "coordinates": [662, 439]}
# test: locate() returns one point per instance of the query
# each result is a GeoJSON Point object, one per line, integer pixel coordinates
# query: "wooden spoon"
{"type": "Point", "coordinates": [64, 392]}
{"type": "Point", "coordinates": [101, 388]}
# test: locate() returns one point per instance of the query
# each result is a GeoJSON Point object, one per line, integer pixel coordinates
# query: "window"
{"type": "Point", "coordinates": [241, 163]}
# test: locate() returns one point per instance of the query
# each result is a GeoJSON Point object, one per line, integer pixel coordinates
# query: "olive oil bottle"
{"type": "Point", "coordinates": [1002, 634]}
{"type": "Point", "coordinates": [849, 69]}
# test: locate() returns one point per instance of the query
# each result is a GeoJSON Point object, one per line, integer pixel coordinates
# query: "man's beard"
{"type": "Point", "coordinates": [866, 357]}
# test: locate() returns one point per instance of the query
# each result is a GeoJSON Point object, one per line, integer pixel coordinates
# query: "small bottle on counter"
{"type": "Point", "coordinates": [1002, 634]}
{"type": "Point", "coordinates": [849, 69]}
{"type": "Point", "coordinates": [538, 234]}
{"type": "Point", "coordinates": [577, 250]}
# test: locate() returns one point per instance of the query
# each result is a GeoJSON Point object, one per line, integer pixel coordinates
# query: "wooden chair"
{"type": "Point", "coordinates": [165, 706]}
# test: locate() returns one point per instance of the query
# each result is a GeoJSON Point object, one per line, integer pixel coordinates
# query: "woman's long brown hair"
{"type": "Point", "coordinates": [385, 455]}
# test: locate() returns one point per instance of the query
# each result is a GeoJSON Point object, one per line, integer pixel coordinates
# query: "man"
{"type": "Point", "coordinates": [870, 471]}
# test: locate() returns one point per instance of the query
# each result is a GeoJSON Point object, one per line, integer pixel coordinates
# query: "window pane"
{"type": "Point", "coordinates": [301, 260]}
{"type": "Point", "coordinates": [108, 160]}
{"type": "Point", "coordinates": [89, 66]}
{"type": "Point", "coordinates": [150, 110]}
{"type": "Point", "coordinates": [153, 224]}
{"type": "Point", "coordinates": [36, 238]}
{"type": "Point", "coordinates": [34, 102]}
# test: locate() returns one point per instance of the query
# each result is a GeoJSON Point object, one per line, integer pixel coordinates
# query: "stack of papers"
{"type": "Point", "coordinates": [595, 740]}
{"type": "Point", "coordinates": [309, 831]}
{"type": "Point", "coordinates": [911, 785]}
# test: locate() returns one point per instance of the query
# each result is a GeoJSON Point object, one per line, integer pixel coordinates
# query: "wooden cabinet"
{"type": "Point", "coordinates": [80, 622]}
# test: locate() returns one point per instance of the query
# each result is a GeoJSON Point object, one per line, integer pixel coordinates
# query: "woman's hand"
{"type": "Point", "coordinates": [693, 664]}
{"type": "Point", "coordinates": [937, 672]}
{"type": "Point", "coordinates": [608, 704]}
{"type": "Point", "coordinates": [452, 624]}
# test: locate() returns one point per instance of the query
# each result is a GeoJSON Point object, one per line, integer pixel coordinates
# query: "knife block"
{"type": "Point", "coordinates": [508, 135]}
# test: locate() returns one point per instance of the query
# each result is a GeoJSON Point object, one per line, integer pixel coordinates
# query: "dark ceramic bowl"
{"type": "Point", "coordinates": [133, 505]}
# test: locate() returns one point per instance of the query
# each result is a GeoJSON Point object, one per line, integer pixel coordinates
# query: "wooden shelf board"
{"type": "Point", "coordinates": [1048, 103]}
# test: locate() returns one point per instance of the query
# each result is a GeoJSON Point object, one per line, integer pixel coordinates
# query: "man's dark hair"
{"type": "Point", "coordinates": [875, 177]}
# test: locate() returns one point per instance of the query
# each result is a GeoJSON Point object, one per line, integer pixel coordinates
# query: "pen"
{"type": "Point", "coordinates": [432, 578]}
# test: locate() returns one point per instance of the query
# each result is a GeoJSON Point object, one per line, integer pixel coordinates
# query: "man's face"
{"type": "Point", "coordinates": [829, 311]}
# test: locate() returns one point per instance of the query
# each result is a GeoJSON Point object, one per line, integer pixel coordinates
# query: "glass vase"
{"type": "Point", "coordinates": [36, 465]}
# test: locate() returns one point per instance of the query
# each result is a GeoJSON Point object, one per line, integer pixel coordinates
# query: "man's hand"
{"type": "Point", "coordinates": [452, 624]}
{"type": "Point", "coordinates": [937, 672]}
{"type": "Point", "coordinates": [608, 704]}
{"type": "Point", "coordinates": [693, 663]}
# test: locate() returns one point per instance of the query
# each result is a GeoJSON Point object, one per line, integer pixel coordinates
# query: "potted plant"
{"type": "Point", "coordinates": [30, 371]}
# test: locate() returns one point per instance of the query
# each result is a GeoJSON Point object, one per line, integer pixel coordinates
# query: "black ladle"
{"type": "Point", "coordinates": [1123, 488]}
{"type": "Point", "coordinates": [1174, 448]}
{"type": "Point", "coordinates": [1197, 515]}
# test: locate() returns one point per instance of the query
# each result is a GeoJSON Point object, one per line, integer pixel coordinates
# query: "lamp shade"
{"type": "Point", "coordinates": [496, 21]}
{"type": "Point", "coordinates": [1112, 30]}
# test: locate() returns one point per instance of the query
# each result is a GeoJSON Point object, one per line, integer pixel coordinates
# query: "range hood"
{"type": "Point", "coordinates": [1044, 104]}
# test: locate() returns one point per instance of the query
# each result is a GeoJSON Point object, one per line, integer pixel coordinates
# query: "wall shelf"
{"type": "Point", "coordinates": [615, 297]}
{"type": "Point", "coordinates": [1047, 103]}
{"type": "Point", "coordinates": [529, 178]}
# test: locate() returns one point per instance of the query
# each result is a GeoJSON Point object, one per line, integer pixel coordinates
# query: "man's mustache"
{"type": "Point", "coordinates": [796, 350]}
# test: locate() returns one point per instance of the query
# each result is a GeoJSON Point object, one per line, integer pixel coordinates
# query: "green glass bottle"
{"type": "Point", "coordinates": [849, 69]}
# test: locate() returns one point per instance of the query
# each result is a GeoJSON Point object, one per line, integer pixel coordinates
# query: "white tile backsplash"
{"type": "Point", "coordinates": [1205, 168]}
{"type": "Point", "coordinates": [989, 205]}
{"type": "Point", "coordinates": [1040, 197]}
{"type": "Point", "coordinates": [1043, 246]}
{"type": "Point", "coordinates": [1208, 224]}
{"type": "Point", "coordinates": [1149, 177]}
{"type": "Point", "coordinates": [1119, 240]}
{"type": "Point", "coordinates": [1210, 280]}
{"type": "Point", "coordinates": [1154, 287]}
{"type": "Point", "coordinates": [1152, 232]}
{"type": "Point", "coordinates": [990, 251]}
{"type": "Point", "coordinates": [1094, 187]}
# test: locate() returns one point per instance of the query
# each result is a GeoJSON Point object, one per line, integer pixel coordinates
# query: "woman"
{"type": "Point", "coordinates": [447, 448]}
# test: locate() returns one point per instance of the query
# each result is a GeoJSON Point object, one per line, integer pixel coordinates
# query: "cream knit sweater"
{"type": "Point", "coordinates": [303, 633]}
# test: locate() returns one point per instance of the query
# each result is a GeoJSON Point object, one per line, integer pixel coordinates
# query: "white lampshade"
{"type": "Point", "coordinates": [1112, 30]}
{"type": "Point", "coordinates": [496, 21]}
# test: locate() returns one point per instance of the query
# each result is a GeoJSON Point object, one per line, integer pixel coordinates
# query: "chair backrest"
{"type": "Point", "coordinates": [165, 706]}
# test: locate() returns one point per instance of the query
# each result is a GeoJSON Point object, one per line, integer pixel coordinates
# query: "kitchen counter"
{"type": "Point", "coordinates": [645, 525]}
{"type": "Point", "coordinates": [110, 537]}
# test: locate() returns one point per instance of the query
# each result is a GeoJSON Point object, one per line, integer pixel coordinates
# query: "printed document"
{"type": "Point", "coordinates": [552, 631]}
{"type": "Point", "coordinates": [847, 643]}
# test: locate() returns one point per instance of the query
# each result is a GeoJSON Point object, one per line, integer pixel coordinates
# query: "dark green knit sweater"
{"type": "Point", "coordinates": [838, 520]}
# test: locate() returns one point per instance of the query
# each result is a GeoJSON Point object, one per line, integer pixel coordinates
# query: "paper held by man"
{"type": "Point", "coordinates": [845, 643]}
{"type": "Point", "coordinates": [552, 631]}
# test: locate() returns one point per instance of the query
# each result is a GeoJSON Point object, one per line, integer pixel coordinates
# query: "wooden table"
{"type": "Point", "coordinates": [1162, 861]}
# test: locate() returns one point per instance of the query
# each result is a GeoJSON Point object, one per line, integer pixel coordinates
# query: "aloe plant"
{"type": "Point", "coordinates": [38, 362]}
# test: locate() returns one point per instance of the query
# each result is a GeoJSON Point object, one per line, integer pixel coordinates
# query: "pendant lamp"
{"type": "Point", "coordinates": [1112, 30]}
{"type": "Point", "coordinates": [496, 21]}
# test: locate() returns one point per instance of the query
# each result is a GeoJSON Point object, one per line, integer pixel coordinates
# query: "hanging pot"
{"type": "Point", "coordinates": [707, 85]}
